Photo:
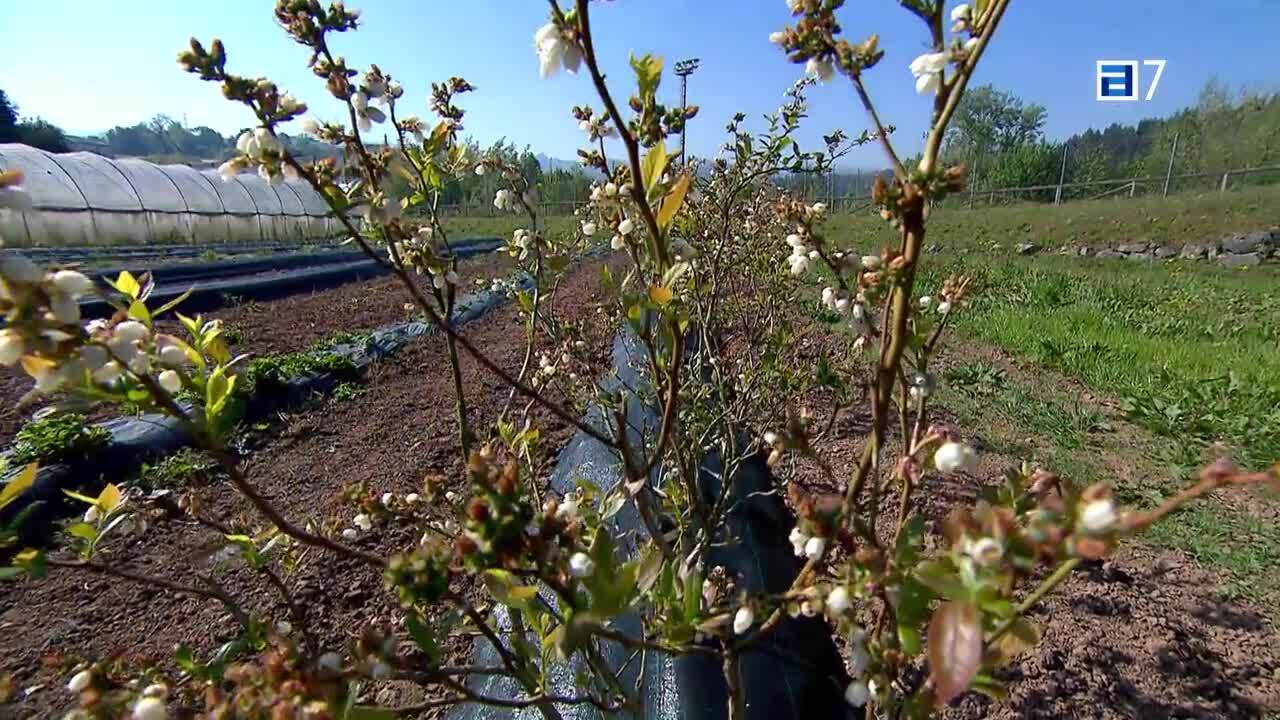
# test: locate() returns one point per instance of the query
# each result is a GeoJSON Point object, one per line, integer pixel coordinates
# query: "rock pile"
{"type": "Point", "coordinates": [1238, 250]}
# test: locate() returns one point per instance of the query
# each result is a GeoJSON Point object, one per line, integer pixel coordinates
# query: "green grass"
{"type": "Point", "coordinates": [57, 438]}
{"type": "Point", "coordinates": [179, 470]}
{"type": "Point", "coordinates": [1187, 217]}
{"type": "Point", "coordinates": [1046, 425]}
{"type": "Point", "coordinates": [1247, 547]}
{"type": "Point", "coordinates": [270, 373]}
{"type": "Point", "coordinates": [1190, 349]}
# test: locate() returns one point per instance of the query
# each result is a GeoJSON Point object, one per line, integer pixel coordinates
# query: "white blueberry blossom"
{"type": "Point", "coordinates": [567, 510]}
{"type": "Point", "coordinates": [927, 69]}
{"type": "Point", "coordinates": [504, 199]}
{"type": "Point", "coordinates": [363, 521]}
{"type": "Point", "coordinates": [11, 346]}
{"type": "Point", "coordinates": [1098, 516]}
{"type": "Point", "coordinates": [798, 540]}
{"type": "Point", "coordinates": [814, 547]}
{"type": "Point", "coordinates": [80, 681]}
{"type": "Point", "coordinates": [953, 456]}
{"type": "Point", "coordinates": [743, 620]}
{"type": "Point", "coordinates": [856, 694]}
{"type": "Point", "coordinates": [555, 50]}
{"type": "Point", "coordinates": [581, 566]}
{"type": "Point", "coordinates": [366, 116]}
{"type": "Point", "coordinates": [170, 381]}
{"type": "Point", "coordinates": [150, 708]}
{"type": "Point", "coordinates": [838, 602]}
{"type": "Point", "coordinates": [986, 552]}
{"type": "Point", "coordinates": [823, 70]}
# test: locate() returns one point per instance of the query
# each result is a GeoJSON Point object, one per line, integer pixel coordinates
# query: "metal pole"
{"type": "Point", "coordinates": [1062, 176]}
{"type": "Point", "coordinates": [684, 69]}
{"type": "Point", "coordinates": [973, 181]}
{"type": "Point", "coordinates": [1168, 173]}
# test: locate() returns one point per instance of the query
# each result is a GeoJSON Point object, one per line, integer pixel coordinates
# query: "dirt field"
{"type": "Point", "coordinates": [283, 325]}
{"type": "Point", "coordinates": [391, 437]}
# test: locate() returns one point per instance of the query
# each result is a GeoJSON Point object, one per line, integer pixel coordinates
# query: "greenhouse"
{"type": "Point", "coordinates": [86, 199]}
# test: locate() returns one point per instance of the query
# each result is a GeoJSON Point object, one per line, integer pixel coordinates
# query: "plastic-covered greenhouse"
{"type": "Point", "coordinates": [86, 199]}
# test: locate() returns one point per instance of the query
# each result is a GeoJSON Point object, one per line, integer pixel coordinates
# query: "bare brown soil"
{"type": "Point", "coordinates": [391, 437]}
{"type": "Point", "coordinates": [1145, 634]}
{"type": "Point", "coordinates": [283, 325]}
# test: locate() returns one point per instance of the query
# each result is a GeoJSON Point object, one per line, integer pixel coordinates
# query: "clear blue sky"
{"type": "Point", "coordinates": [88, 65]}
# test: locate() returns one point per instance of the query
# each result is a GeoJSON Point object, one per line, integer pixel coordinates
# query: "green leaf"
{"type": "Point", "coordinates": [692, 596]}
{"type": "Point", "coordinates": [172, 303]}
{"type": "Point", "coordinates": [672, 202]}
{"type": "Point", "coordinates": [33, 562]}
{"type": "Point", "coordinates": [653, 165]}
{"type": "Point", "coordinates": [423, 637]}
{"type": "Point", "coordinates": [127, 284]}
{"type": "Point", "coordinates": [14, 487]}
{"type": "Point", "coordinates": [138, 311]}
{"type": "Point", "coordinates": [84, 531]}
{"type": "Point", "coordinates": [649, 570]}
{"type": "Point", "coordinates": [940, 576]}
{"type": "Point", "coordinates": [185, 658]}
{"type": "Point", "coordinates": [648, 74]}
{"type": "Point", "coordinates": [507, 590]}
{"type": "Point", "coordinates": [217, 391]}
{"type": "Point", "coordinates": [81, 498]}
{"type": "Point", "coordinates": [955, 649]}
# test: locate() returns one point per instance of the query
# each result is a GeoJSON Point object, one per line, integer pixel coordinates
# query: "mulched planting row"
{"type": "Point", "coordinates": [400, 430]}
{"type": "Point", "coordinates": [283, 325]}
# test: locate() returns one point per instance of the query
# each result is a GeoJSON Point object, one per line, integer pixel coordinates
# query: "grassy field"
{"type": "Point", "coordinates": [1097, 223]}
{"type": "Point", "coordinates": [1126, 372]}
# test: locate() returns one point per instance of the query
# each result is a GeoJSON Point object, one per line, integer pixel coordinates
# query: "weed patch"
{"type": "Point", "coordinates": [58, 438]}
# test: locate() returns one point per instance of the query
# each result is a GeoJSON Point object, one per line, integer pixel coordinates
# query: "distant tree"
{"type": "Point", "coordinates": [990, 120]}
{"type": "Point", "coordinates": [44, 135]}
{"type": "Point", "coordinates": [8, 119]}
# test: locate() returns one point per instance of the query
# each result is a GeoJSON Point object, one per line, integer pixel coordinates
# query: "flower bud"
{"type": "Point", "coordinates": [170, 381]}
{"type": "Point", "coordinates": [838, 602]}
{"type": "Point", "coordinates": [953, 456]}
{"type": "Point", "coordinates": [1099, 516]}
{"type": "Point", "coordinates": [71, 283]}
{"type": "Point", "coordinates": [743, 620]}
{"type": "Point", "coordinates": [581, 566]}
{"type": "Point", "coordinates": [80, 681]}
{"type": "Point", "coordinates": [11, 346]}
{"type": "Point", "coordinates": [150, 708]}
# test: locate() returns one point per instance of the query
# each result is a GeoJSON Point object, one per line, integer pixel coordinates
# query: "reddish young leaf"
{"type": "Point", "coordinates": [955, 649]}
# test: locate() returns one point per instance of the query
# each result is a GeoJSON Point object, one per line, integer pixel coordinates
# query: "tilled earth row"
{"type": "Point", "coordinates": [390, 437]}
{"type": "Point", "coordinates": [283, 325]}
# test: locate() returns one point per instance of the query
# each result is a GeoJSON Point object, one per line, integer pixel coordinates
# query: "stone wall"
{"type": "Point", "coordinates": [1238, 250]}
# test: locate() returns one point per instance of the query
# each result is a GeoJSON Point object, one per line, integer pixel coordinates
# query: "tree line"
{"type": "Point", "coordinates": [997, 134]}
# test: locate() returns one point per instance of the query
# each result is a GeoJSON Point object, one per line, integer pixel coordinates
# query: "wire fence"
{"type": "Point", "coordinates": [979, 196]}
